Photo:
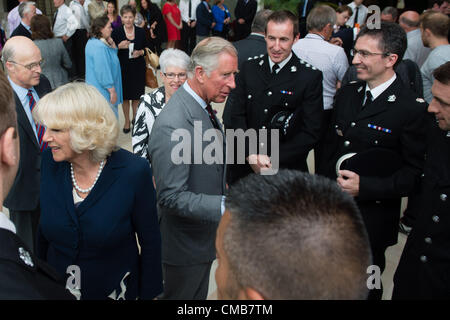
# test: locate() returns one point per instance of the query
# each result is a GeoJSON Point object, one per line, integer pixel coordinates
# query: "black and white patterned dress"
{"type": "Point", "coordinates": [150, 105]}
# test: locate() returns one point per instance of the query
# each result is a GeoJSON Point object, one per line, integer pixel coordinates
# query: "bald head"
{"type": "Point", "coordinates": [409, 20]}
{"type": "Point", "coordinates": [22, 57]}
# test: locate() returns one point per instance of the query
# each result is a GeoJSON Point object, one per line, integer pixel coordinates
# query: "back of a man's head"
{"type": "Point", "coordinates": [438, 23]}
{"type": "Point", "coordinates": [260, 21]}
{"type": "Point", "coordinates": [295, 236]}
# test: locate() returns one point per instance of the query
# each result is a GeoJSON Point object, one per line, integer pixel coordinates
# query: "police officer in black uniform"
{"type": "Point", "coordinates": [278, 91]}
{"type": "Point", "coordinates": [378, 113]}
{"type": "Point", "coordinates": [424, 268]}
{"type": "Point", "coordinates": [21, 275]}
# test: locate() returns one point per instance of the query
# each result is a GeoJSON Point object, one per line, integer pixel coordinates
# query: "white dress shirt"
{"type": "Point", "coordinates": [66, 23]}
{"type": "Point", "coordinates": [362, 14]}
{"type": "Point", "coordinates": [80, 14]}
{"type": "Point", "coordinates": [379, 89]}
{"type": "Point", "coordinates": [328, 58]}
{"type": "Point", "coordinates": [184, 9]}
{"type": "Point", "coordinates": [5, 223]}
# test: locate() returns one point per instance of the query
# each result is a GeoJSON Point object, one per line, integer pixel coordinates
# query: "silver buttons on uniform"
{"type": "Point", "coordinates": [443, 197]}
{"type": "Point", "coordinates": [423, 259]}
{"type": "Point", "coordinates": [435, 219]}
{"type": "Point", "coordinates": [347, 143]}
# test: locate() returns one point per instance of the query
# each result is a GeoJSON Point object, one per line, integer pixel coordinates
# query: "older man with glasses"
{"type": "Point", "coordinates": [22, 60]}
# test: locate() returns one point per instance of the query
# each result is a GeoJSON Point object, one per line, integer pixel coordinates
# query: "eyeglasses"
{"type": "Point", "coordinates": [172, 75]}
{"type": "Point", "coordinates": [30, 66]}
{"type": "Point", "coordinates": [365, 54]}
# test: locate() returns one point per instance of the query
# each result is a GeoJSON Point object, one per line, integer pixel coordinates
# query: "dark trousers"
{"type": "Point", "coordinates": [378, 259]}
{"type": "Point", "coordinates": [188, 38]}
{"type": "Point", "coordinates": [26, 223]}
{"type": "Point", "coordinates": [79, 40]}
{"type": "Point", "coordinates": [186, 282]}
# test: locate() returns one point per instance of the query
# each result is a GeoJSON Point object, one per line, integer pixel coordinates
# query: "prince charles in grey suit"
{"type": "Point", "coordinates": [185, 138]}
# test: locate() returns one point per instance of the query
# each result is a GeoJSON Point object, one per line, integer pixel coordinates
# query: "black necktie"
{"type": "Point", "coordinates": [54, 18]}
{"type": "Point", "coordinates": [212, 117]}
{"type": "Point", "coordinates": [190, 9]}
{"type": "Point", "coordinates": [356, 17]}
{"type": "Point", "coordinates": [369, 99]}
{"type": "Point", "coordinates": [275, 67]}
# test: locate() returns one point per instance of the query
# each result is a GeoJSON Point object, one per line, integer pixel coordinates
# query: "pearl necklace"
{"type": "Point", "coordinates": [100, 168]}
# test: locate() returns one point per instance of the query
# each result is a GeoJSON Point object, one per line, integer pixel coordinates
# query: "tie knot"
{"type": "Point", "coordinates": [275, 68]}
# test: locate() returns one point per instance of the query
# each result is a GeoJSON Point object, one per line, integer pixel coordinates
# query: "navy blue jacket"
{"type": "Point", "coordinates": [99, 235]}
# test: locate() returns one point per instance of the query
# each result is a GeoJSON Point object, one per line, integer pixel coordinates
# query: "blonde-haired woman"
{"type": "Point", "coordinates": [95, 199]}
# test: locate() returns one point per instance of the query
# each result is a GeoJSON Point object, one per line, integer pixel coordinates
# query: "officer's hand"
{"type": "Point", "coordinates": [259, 162]}
{"type": "Point", "coordinates": [349, 182]}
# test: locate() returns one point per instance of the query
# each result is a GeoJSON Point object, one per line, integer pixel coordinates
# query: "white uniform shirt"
{"type": "Point", "coordinates": [66, 23]}
{"type": "Point", "coordinates": [80, 14]}
{"type": "Point", "coordinates": [328, 58]}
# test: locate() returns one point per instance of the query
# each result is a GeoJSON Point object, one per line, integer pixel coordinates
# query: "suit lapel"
{"type": "Point", "coordinates": [22, 120]}
{"type": "Point", "coordinates": [381, 103]}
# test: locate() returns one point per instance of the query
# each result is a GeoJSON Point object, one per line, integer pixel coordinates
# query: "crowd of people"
{"type": "Point", "coordinates": [372, 103]}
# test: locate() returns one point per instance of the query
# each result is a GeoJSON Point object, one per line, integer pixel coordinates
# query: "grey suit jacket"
{"type": "Point", "coordinates": [189, 194]}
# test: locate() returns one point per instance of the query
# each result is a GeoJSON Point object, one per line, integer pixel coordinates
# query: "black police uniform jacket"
{"type": "Point", "coordinates": [393, 121]}
{"type": "Point", "coordinates": [259, 96]}
{"type": "Point", "coordinates": [424, 268]}
{"type": "Point", "coordinates": [24, 277]}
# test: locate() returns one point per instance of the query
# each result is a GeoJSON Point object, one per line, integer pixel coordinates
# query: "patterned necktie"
{"type": "Point", "coordinates": [39, 129]}
{"type": "Point", "coordinates": [212, 117]}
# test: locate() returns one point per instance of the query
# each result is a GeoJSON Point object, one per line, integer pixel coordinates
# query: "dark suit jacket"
{"type": "Point", "coordinates": [21, 31]}
{"type": "Point", "coordinates": [416, 278]}
{"type": "Point", "coordinates": [204, 19]}
{"type": "Point", "coordinates": [395, 109]}
{"type": "Point", "coordinates": [100, 234]}
{"type": "Point", "coordinates": [259, 96]}
{"type": "Point", "coordinates": [252, 47]}
{"type": "Point", "coordinates": [24, 194]}
{"type": "Point", "coordinates": [246, 12]}
{"type": "Point", "coordinates": [23, 276]}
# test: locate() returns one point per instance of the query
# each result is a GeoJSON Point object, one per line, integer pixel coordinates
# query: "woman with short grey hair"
{"type": "Point", "coordinates": [174, 64]}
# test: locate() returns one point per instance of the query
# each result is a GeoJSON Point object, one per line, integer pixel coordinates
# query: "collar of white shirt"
{"type": "Point", "coordinates": [380, 88]}
{"type": "Point", "coordinates": [5, 223]}
{"type": "Point", "coordinates": [281, 64]}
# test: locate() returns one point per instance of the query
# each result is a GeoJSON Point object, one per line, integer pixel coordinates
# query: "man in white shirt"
{"type": "Point", "coordinates": [79, 38]}
{"type": "Point", "coordinates": [328, 58]}
{"type": "Point", "coordinates": [64, 26]}
{"type": "Point", "coordinates": [416, 51]}
{"type": "Point", "coordinates": [359, 14]}
{"type": "Point", "coordinates": [14, 18]}
{"type": "Point", "coordinates": [189, 17]}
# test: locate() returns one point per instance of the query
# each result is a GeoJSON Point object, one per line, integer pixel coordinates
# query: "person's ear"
{"type": "Point", "coordinates": [250, 294]}
{"type": "Point", "coordinates": [9, 154]}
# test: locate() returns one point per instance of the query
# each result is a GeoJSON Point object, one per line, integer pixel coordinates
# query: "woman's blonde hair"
{"type": "Point", "coordinates": [82, 110]}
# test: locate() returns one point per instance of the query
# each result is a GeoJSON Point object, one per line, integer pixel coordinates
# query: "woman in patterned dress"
{"type": "Point", "coordinates": [174, 64]}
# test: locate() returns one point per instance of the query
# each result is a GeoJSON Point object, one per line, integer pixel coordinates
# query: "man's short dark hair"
{"type": "Point", "coordinates": [282, 16]}
{"type": "Point", "coordinates": [8, 117]}
{"type": "Point", "coordinates": [391, 38]}
{"type": "Point", "coordinates": [296, 236]}
{"type": "Point", "coordinates": [442, 73]}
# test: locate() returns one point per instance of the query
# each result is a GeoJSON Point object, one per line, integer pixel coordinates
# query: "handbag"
{"type": "Point", "coordinates": [151, 58]}
{"type": "Point", "coordinates": [150, 79]}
